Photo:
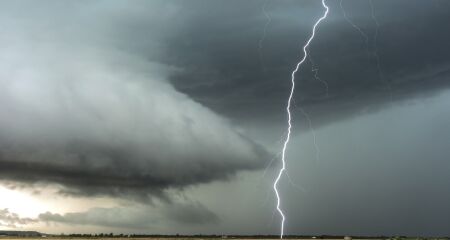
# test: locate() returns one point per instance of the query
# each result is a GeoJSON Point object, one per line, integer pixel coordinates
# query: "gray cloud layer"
{"type": "Point", "coordinates": [413, 55]}
{"type": "Point", "coordinates": [130, 100]}
{"type": "Point", "coordinates": [13, 220]}
{"type": "Point", "coordinates": [98, 120]}
{"type": "Point", "coordinates": [137, 217]}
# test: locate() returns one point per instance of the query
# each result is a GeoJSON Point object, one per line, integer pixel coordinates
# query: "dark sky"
{"type": "Point", "coordinates": [172, 110]}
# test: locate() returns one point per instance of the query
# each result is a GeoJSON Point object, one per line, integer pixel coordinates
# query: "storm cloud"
{"type": "Point", "coordinates": [250, 82]}
{"type": "Point", "coordinates": [98, 120]}
{"type": "Point", "coordinates": [179, 105]}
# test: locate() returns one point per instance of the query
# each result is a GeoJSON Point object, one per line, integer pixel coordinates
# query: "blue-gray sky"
{"type": "Point", "coordinates": [163, 116]}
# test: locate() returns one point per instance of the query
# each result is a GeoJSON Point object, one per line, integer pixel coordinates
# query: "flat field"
{"type": "Point", "coordinates": [206, 238]}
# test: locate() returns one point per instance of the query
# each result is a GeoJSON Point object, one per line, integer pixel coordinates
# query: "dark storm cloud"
{"type": "Point", "coordinates": [222, 68]}
{"type": "Point", "coordinates": [81, 110]}
{"type": "Point", "coordinates": [120, 177]}
{"type": "Point", "coordinates": [133, 101]}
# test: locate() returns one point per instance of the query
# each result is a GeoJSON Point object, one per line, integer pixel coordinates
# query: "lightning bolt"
{"type": "Point", "coordinates": [313, 132]}
{"type": "Point", "coordinates": [375, 52]}
{"type": "Point", "coordinates": [315, 70]}
{"type": "Point", "coordinates": [363, 34]}
{"type": "Point", "coordinates": [375, 39]}
{"type": "Point", "coordinates": [263, 37]}
{"type": "Point", "coordinates": [288, 110]}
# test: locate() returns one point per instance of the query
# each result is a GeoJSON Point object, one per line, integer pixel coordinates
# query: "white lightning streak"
{"type": "Point", "coordinates": [263, 37]}
{"type": "Point", "coordinates": [375, 51]}
{"type": "Point", "coordinates": [315, 70]}
{"type": "Point", "coordinates": [375, 39]}
{"type": "Point", "coordinates": [363, 34]}
{"type": "Point", "coordinates": [311, 128]}
{"type": "Point", "coordinates": [313, 132]}
{"type": "Point", "coordinates": [288, 110]}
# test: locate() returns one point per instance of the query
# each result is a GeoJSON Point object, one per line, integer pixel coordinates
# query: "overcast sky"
{"type": "Point", "coordinates": [167, 116]}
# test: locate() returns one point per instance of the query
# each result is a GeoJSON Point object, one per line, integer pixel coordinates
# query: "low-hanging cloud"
{"type": "Point", "coordinates": [136, 217]}
{"type": "Point", "coordinates": [13, 220]}
{"type": "Point", "coordinates": [97, 120]}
